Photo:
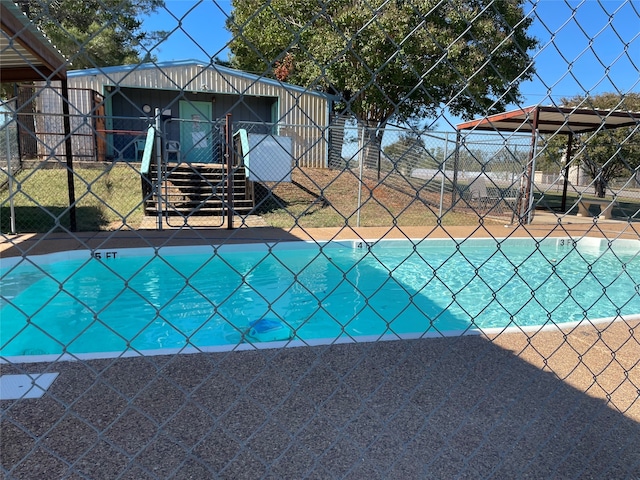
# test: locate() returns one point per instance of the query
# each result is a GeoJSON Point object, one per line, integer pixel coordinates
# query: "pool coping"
{"type": "Point", "coordinates": [318, 342]}
{"type": "Point", "coordinates": [355, 243]}
{"type": "Point", "coordinates": [35, 244]}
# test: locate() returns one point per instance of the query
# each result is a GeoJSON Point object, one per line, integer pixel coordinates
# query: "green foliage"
{"type": "Point", "coordinates": [409, 149]}
{"type": "Point", "coordinates": [95, 33]}
{"type": "Point", "coordinates": [386, 59]}
{"type": "Point", "coordinates": [604, 155]}
{"type": "Point", "coordinates": [551, 154]}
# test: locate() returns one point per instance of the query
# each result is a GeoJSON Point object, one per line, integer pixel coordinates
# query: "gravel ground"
{"type": "Point", "coordinates": [463, 407]}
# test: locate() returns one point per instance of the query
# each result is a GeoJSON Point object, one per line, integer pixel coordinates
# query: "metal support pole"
{"type": "Point", "coordinates": [360, 168]}
{"type": "Point", "coordinates": [567, 162]}
{"type": "Point", "coordinates": [516, 206]}
{"type": "Point", "coordinates": [7, 122]}
{"type": "Point", "coordinates": [456, 163]}
{"type": "Point", "coordinates": [527, 199]}
{"type": "Point", "coordinates": [530, 208]}
{"type": "Point", "coordinates": [378, 146]}
{"type": "Point", "coordinates": [228, 134]}
{"type": "Point", "coordinates": [159, 173]}
{"type": "Point", "coordinates": [69, 156]}
{"type": "Point", "coordinates": [442, 171]}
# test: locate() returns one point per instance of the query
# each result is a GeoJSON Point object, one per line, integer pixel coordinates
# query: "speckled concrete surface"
{"type": "Point", "coordinates": [464, 407]}
{"type": "Point", "coordinates": [33, 244]}
{"type": "Point", "coordinates": [549, 404]}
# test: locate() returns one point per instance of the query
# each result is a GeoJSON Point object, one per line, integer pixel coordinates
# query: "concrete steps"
{"type": "Point", "coordinates": [200, 190]}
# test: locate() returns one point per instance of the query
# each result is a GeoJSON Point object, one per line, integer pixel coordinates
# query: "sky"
{"type": "Point", "coordinates": [586, 47]}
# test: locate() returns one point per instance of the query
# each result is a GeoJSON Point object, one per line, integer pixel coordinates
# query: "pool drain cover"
{"type": "Point", "coordinates": [13, 387]}
{"type": "Point", "coordinates": [269, 330]}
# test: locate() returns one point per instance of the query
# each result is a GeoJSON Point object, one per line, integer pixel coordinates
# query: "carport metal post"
{"type": "Point", "coordinates": [69, 155]}
{"type": "Point", "coordinates": [526, 205]}
{"type": "Point", "coordinates": [456, 163]}
{"type": "Point", "coordinates": [567, 162]}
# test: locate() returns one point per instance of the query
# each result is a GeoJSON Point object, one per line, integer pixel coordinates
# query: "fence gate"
{"type": "Point", "coordinates": [192, 180]}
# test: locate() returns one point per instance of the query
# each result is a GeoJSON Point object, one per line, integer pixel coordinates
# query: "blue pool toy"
{"type": "Point", "coordinates": [269, 330]}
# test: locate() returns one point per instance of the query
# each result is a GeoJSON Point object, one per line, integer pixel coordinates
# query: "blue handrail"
{"type": "Point", "coordinates": [148, 150]}
{"type": "Point", "coordinates": [243, 152]}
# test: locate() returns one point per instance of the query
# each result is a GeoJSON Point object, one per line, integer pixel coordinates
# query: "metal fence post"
{"type": "Point", "coordinates": [158, 121]}
{"type": "Point", "coordinates": [443, 173]}
{"type": "Point", "coordinates": [6, 122]}
{"type": "Point", "coordinates": [360, 172]}
{"type": "Point", "coordinates": [456, 164]}
{"type": "Point", "coordinates": [228, 134]}
{"type": "Point", "coordinates": [69, 155]}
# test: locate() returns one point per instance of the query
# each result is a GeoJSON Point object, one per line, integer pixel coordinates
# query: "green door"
{"type": "Point", "coordinates": [196, 139]}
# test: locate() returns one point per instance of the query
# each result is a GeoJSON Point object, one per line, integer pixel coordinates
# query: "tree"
{"type": "Point", "coordinates": [604, 155]}
{"type": "Point", "coordinates": [390, 59]}
{"type": "Point", "coordinates": [409, 152]}
{"type": "Point", "coordinates": [95, 33]}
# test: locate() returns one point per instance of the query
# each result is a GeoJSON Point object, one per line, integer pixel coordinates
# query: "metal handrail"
{"type": "Point", "coordinates": [148, 150]}
{"type": "Point", "coordinates": [243, 151]}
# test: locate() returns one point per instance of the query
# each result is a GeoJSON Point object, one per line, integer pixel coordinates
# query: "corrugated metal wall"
{"type": "Point", "coordinates": [49, 128]}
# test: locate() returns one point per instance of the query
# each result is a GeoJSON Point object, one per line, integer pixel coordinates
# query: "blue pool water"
{"type": "Point", "coordinates": [140, 299]}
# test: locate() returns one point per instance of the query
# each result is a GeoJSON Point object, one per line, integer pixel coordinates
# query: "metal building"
{"type": "Point", "coordinates": [113, 106]}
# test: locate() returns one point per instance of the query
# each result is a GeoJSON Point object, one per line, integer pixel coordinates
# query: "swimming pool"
{"type": "Point", "coordinates": [105, 302]}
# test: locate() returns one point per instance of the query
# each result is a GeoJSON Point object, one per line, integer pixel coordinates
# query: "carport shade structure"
{"type": "Point", "coordinates": [549, 120]}
{"type": "Point", "coordinates": [27, 55]}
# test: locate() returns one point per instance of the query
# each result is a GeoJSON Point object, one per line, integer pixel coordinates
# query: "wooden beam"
{"type": "Point", "coordinates": [24, 74]}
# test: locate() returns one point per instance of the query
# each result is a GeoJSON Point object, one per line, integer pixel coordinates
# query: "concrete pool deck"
{"type": "Point", "coordinates": [547, 404]}
{"type": "Point", "coordinates": [545, 225]}
{"type": "Point", "coordinates": [432, 408]}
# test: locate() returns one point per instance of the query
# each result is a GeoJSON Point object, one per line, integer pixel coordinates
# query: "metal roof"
{"type": "Point", "coordinates": [25, 53]}
{"type": "Point", "coordinates": [252, 78]}
{"type": "Point", "coordinates": [554, 120]}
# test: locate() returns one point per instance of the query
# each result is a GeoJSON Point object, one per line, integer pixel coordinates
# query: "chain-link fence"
{"type": "Point", "coordinates": [301, 257]}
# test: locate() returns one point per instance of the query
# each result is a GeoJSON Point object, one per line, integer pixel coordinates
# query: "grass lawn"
{"type": "Point", "coordinates": [108, 197]}
{"type": "Point", "coordinates": [329, 198]}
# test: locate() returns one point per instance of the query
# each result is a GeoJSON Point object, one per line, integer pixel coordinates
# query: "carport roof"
{"type": "Point", "coordinates": [26, 54]}
{"type": "Point", "coordinates": [554, 119]}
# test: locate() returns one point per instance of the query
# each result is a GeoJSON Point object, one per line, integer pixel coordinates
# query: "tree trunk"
{"type": "Point", "coordinates": [336, 140]}
{"type": "Point", "coordinates": [371, 146]}
{"type": "Point", "coordinates": [600, 187]}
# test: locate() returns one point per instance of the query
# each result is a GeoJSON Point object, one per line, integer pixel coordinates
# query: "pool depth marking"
{"type": "Point", "coordinates": [104, 254]}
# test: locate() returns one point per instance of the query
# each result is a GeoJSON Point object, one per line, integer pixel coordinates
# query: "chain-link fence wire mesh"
{"type": "Point", "coordinates": [10, 157]}
{"type": "Point", "coordinates": [464, 304]}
